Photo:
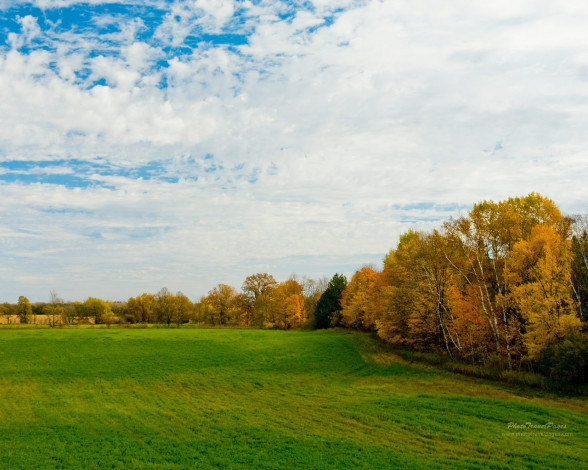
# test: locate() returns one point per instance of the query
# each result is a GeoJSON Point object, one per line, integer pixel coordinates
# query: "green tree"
{"type": "Point", "coordinates": [567, 360]}
{"type": "Point", "coordinates": [329, 304]}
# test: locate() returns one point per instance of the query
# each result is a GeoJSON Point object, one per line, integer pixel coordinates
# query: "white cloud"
{"type": "Point", "coordinates": [214, 14]}
{"type": "Point", "coordinates": [30, 31]}
{"type": "Point", "coordinates": [344, 127]}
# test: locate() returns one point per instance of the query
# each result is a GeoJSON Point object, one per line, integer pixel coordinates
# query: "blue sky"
{"type": "Point", "coordinates": [188, 143]}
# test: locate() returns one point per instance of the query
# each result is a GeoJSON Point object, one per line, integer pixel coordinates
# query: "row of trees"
{"type": "Point", "coordinates": [262, 303]}
{"type": "Point", "coordinates": [509, 280]}
{"type": "Point", "coordinates": [58, 312]}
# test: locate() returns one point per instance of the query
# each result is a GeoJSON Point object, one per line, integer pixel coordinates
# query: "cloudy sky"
{"type": "Point", "coordinates": [188, 143]}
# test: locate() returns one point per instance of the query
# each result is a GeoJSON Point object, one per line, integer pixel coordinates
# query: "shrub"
{"type": "Point", "coordinates": [567, 360]}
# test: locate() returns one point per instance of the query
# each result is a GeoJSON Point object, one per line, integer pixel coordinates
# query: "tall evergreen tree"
{"type": "Point", "coordinates": [330, 302]}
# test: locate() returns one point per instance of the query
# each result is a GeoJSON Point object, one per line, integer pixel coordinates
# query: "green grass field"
{"type": "Point", "coordinates": [191, 398]}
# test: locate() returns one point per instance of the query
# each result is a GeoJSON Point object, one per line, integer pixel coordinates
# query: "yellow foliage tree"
{"type": "Point", "coordinates": [256, 298]}
{"type": "Point", "coordinates": [361, 300]}
{"type": "Point", "coordinates": [221, 305]}
{"type": "Point", "coordinates": [539, 271]}
{"type": "Point", "coordinates": [286, 306]}
{"type": "Point", "coordinates": [478, 247]}
{"type": "Point", "coordinates": [99, 310]}
{"type": "Point", "coordinates": [140, 309]}
{"type": "Point", "coordinates": [415, 304]}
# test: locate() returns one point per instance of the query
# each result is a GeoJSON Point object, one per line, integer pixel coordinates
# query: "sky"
{"type": "Point", "coordinates": [190, 143]}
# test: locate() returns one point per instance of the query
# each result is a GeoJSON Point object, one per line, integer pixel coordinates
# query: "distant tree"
{"type": "Point", "coordinates": [55, 309]}
{"type": "Point", "coordinates": [257, 292]}
{"type": "Point", "coordinates": [312, 291]}
{"type": "Point", "coordinates": [69, 314]}
{"type": "Point", "coordinates": [363, 300]}
{"type": "Point", "coordinates": [118, 311]}
{"type": "Point", "coordinates": [140, 309]}
{"type": "Point", "coordinates": [164, 306]}
{"type": "Point", "coordinates": [221, 305]}
{"type": "Point", "coordinates": [99, 310]}
{"type": "Point", "coordinates": [257, 284]}
{"type": "Point", "coordinates": [244, 309]}
{"type": "Point", "coordinates": [183, 309]}
{"type": "Point", "coordinates": [329, 303]}
{"type": "Point", "coordinates": [38, 308]}
{"type": "Point", "coordinates": [7, 310]}
{"type": "Point", "coordinates": [132, 310]}
{"type": "Point", "coordinates": [201, 312]}
{"type": "Point", "coordinates": [80, 312]}
{"type": "Point", "coordinates": [286, 308]}
{"type": "Point", "coordinates": [261, 309]}
{"type": "Point", "coordinates": [24, 310]}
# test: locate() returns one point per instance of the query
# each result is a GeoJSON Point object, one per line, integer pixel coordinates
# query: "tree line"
{"type": "Point", "coordinates": [505, 283]}
{"type": "Point", "coordinates": [261, 303]}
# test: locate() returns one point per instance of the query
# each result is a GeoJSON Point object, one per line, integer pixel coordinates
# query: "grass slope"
{"type": "Point", "coordinates": [261, 399]}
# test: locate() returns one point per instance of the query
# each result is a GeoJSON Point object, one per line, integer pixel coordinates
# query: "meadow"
{"type": "Point", "coordinates": [245, 399]}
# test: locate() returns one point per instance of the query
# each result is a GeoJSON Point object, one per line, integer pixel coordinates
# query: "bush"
{"type": "Point", "coordinates": [495, 364]}
{"type": "Point", "coordinates": [566, 361]}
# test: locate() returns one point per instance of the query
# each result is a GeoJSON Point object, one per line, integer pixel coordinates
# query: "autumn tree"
{"type": "Point", "coordinates": [183, 309]}
{"type": "Point", "coordinates": [203, 312]}
{"type": "Point", "coordinates": [257, 284]}
{"type": "Point", "coordinates": [312, 290]}
{"type": "Point", "coordinates": [164, 306]}
{"type": "Point", "coordinates": [400, 304]}
{"type": "Point", "coordinates": [257, 293]}
{"type": "Point", "coordinates": [220, 306]}
{"type": "Point", "coordinates": [7, 310]}
{"type": "Point", "coordinates": [99, 310]}
{"type": "Point", "coordinates": [539, 272]}
{"type": "Point", "coordinates": [140, 309]}
{"type": "Point", "coordinates": [329, 303]}
{"type": "Point", "coordinates": [24, 310]}
{"type": "Point", "coordinates": [415, 305]}
{"type": "Point", "coordinates": [79, 312]}
{"type": "Point", "coordinates": [69, 314]}
{"type": "Point", "coordinates": [478, 247]}
{"type": "Point", "coordinates": [287, 306]}
{"type": "Point", "coordinates": [360, 300]}
{"type": "Point", "coordinates": [55, 309]}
